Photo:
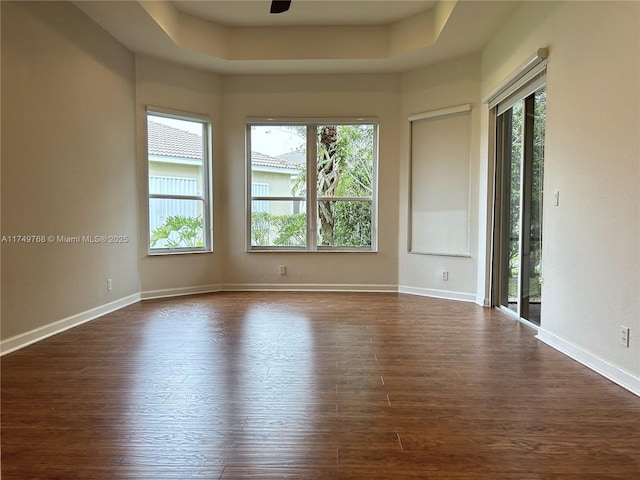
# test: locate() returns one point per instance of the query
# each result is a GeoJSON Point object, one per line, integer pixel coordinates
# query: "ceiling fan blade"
{"type": "Point", "coordinates": [279, 6]}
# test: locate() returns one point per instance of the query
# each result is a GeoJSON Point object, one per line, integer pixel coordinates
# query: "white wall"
{"type": "Point", "coordinates": [447, 84]}
{"type": "Point", "coordinates": [591, 256]}
{"type": "Point", "coordinates": [166, 85]}
{"type": "Point", "coordinates": [68, 167]}
{"type": "Point", "coordinates": [310, 96]}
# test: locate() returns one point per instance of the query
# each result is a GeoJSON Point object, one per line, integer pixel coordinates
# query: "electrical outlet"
{"type": "Point", "coordinates": [445, 275]}
{"type": "Point", "coordinates": [624, 336]}
{"type": "Point", "coordinates": [109, 284]}
{"type": "Point", "coordinates": [283, 269]}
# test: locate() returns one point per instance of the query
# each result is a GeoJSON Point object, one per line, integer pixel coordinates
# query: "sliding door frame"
{"type": "Point", "coordinates": [521, 85]}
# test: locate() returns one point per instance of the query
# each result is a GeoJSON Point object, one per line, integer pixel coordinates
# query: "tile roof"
{"type": "Point", "coordinates": [298, 157]}
{"type": "Point", "coordinates": [167, 141]}
{"type": "Point", "coordinates": [262, 160]}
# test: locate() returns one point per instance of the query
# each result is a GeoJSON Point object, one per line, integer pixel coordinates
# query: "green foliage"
{"type": "Point", "coordinates": [282, 230]}
{"type": "Point", "coordinates": [260, 228]}
{"type": "Point", "coordinates": [291, 229]}
{"type": "Point", "coordinates": [345, 169]}
{"type": "Point", "coordinates": [352, 224]}
{"type": "Point", "coordinates": [352, 161]}
{"type": "Point", "coordinates": [355, 149]}
{"type": "Point", "coordinates": [178, 231]}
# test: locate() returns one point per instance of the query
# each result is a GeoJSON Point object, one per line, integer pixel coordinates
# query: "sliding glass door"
{"type": "Point", "coordinates": [520, 166]}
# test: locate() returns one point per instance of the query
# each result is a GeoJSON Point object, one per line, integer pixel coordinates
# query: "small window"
{"type": "Point", "coordinates": [312, 186]}
{"type": "Point", "coordinates": [178, 155]}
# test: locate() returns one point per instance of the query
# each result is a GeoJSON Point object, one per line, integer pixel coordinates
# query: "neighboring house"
{"type": "Point", "coordinates": [273, 176]}
{"type": "Point", "coordinates": [175, 163]}
{"type": "Point", "coordinates": [297, 157]}
{"type": "Point", "coordinates": [175, 168]}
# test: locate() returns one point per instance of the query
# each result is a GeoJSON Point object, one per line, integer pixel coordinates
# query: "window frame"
{"type": "Point", "coordinates": [311, 198]}
{"type": "Point", "coordinates": [207, 184]}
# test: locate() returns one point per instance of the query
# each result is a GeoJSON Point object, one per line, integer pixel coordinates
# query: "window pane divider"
{"type": "Point", "coordinates": [303, 199]}
{"type": "Point", "coordinates": [175, 197]}
{"type": "Point", "coordinates": [312, 179]}
{"type": "Point", "coordinates": [344, 199]}
{"type": "Point", "coordinates": [279, 199]}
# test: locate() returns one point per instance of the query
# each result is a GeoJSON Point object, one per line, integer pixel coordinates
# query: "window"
{"type": "Point", "coordinates": [178, 155]}
{"type": "Point", "coordinates": [312, 185]}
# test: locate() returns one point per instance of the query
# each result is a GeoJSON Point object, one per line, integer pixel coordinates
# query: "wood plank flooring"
{"type": "Point", "coordinates": [310, 386]}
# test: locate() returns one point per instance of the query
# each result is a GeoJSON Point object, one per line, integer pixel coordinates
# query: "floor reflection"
{"type": "Point", "coordinates": [277, 361]}
{"type": "Point", "coordinates": [241, 387]}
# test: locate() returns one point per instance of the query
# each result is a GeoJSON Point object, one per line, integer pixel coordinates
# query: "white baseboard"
{"type": "Point", "coordinates": [265, 287]}
{"type": "Point", "coordinates": [482, 301]}
{"type": "Point", "coordinates": [615, 374]}
{"type": "Point", "coordinates": [179, 292]}
{"type": "Point", "coordinates": [444, 294]}
{"type": "Point", "coordinates": [24, 339]}
{"type": "Point", "coordinates": [307, 287]}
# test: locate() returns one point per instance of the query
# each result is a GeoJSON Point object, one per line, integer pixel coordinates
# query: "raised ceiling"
{"type": "Point", "coordinates": [314, 36]}
{"type": "Point", "coordinates": [252, 13]}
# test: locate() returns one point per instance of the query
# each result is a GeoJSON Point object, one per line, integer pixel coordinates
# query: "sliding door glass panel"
{"type": "Point", "coordinates": [535, 231]}
{"type": "Point", "coordinates": [512, 151]}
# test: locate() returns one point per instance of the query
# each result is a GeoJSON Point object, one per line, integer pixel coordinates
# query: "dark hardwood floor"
{"type": "Point", "coordinates": [310, 386]}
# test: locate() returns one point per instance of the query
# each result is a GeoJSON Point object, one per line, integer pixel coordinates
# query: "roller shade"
{"type": "Point", "coordinates": [528, 78]}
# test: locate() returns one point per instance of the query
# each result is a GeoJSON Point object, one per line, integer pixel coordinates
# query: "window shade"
{"type": "Point", "coordinates": [439, 181]}
{"type": "Point", "coordinates": [525, 80]}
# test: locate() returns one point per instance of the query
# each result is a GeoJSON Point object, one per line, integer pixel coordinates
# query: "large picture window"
{"type": "Point", "coordinates": [178, 155]}
{"type": "Point", "coordinates": [312, 185]}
